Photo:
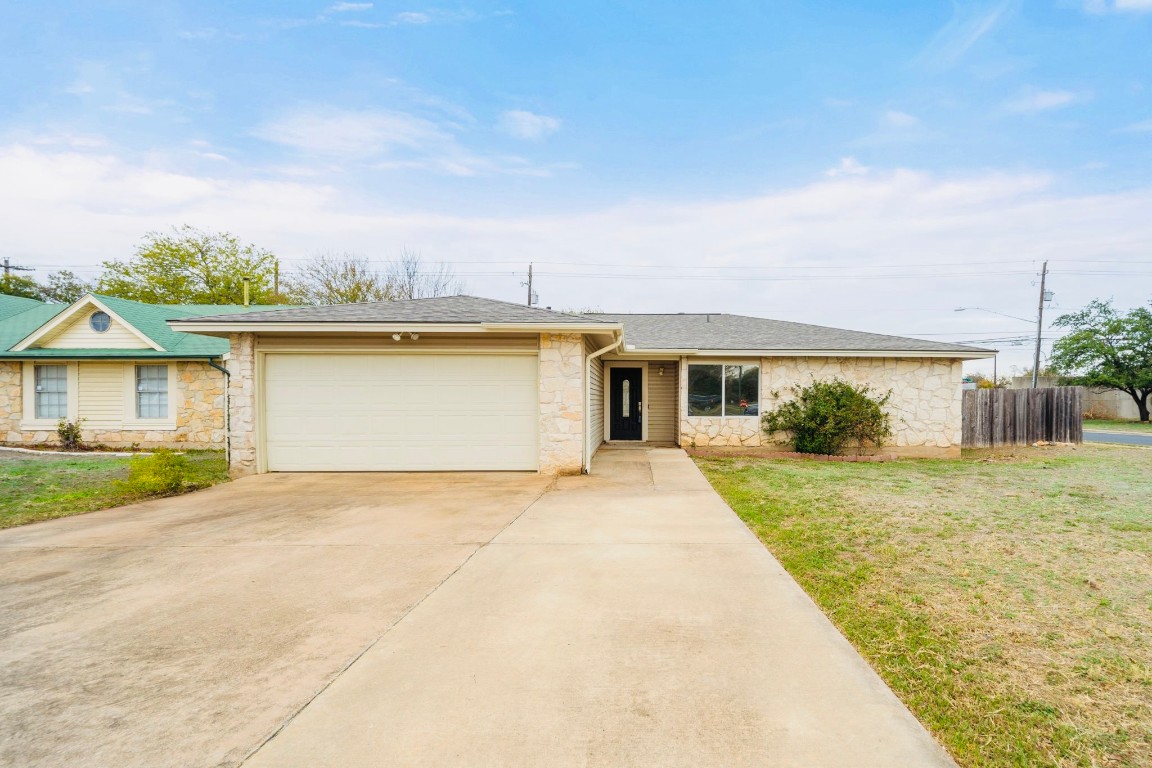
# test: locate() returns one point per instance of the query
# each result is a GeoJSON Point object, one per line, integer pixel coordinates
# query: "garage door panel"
{"type": "Point", "coordinates": [400, 412]}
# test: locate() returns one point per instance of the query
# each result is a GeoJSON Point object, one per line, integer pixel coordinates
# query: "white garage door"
{"type": "Point", "coordinates": [336, 412]}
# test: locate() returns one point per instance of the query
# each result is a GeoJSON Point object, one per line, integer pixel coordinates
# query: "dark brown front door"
{"type": "Point", "coordinates": [624, 404]}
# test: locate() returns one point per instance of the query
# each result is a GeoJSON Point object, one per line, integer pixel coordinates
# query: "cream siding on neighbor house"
{"type": "Point", "coordinates": [77, 334]}
{"type": "Point", "coordinates": [101, 395]}
{"type": "Point", "coordinates": [662, 401]}
{"type": "Point", "coordinates": [596, 399]}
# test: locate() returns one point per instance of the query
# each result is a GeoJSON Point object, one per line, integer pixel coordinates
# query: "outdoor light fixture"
{"type": "Point", "coordinates": [395, 337]}
{"type": "Point", "coordinates": [399, 336]}
{"type": "Point", "coordinates": [414, 336]}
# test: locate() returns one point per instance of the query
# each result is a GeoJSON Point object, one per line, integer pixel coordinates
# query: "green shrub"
{"type": "Point", "coordinates": [164, 473]}
{"type": "Point", "coordinates": [826, 416]}
{"type": "Point", "coordinates": [69, 433]}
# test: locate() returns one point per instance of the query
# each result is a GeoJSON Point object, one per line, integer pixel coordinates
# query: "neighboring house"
{"type": "Point", "coordinates": [464, 383]}
{"type": "Point", "coordinates": [116, 365]}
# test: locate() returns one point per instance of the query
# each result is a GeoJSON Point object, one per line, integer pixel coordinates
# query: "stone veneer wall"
{"type": "Point", "coordinates": [561, 403]}
{"type": "Point", "coordinates": [241, 365]}
{"type": "Point", "coordinates": [198, 400]}
{"type": "Point", "coordinates": [11, 400]}
{"type": "Point", "coordinates": [925, 405]}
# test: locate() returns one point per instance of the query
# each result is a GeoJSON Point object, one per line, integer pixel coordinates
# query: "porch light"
{"type": "Point", "coordinates": [395, 337]}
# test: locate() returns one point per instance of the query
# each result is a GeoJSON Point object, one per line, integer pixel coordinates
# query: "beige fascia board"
{"type": "Point", "coordinates": [949, 355]}
{"type": "Point", "coordinates": [557, 327]}
{"type": "Point", "coordinates": [223, 329]}
{"type": "Point", "coordinates": [70, 313]}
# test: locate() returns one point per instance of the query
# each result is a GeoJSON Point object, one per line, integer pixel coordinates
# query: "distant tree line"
{"type": "Point", "coordinates": [194, 266]}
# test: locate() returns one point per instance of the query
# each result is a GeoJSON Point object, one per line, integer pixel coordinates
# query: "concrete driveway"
{"type": "Point", "coordinates": [183, 632]}
{"type": "Point", "coordinates": [623, 619]}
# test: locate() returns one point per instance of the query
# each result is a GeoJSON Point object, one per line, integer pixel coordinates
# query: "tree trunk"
{"type": "Point", "coordinates": [1142, 406]}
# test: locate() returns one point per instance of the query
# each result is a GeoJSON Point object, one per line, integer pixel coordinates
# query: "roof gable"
{"type": "Point", "coordinates": [66, 326]}
{"type": "Point", "coordinates": [33, 332]}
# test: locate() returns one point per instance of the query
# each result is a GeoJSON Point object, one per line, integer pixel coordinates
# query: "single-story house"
{"type": "Point", "coordinates": [116, 365]}
{"type": "Point", "coordinates": [465, 383]}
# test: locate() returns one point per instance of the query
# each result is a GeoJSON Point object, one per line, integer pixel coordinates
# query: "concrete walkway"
{"type": "Point", "coordinates": [624, 619]}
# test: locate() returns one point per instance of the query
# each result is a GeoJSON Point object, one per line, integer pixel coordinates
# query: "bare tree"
{"type": "Point", "coordinates": [338, 278]}
{"type": "Point", "coordinates": [410, 278]}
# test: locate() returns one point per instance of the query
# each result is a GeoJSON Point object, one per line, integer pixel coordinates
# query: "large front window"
{"type": "Point", "coordinates": [723, 390]}
{"type": "Point", "coordinates": [151, 391]}
{"type": "Point", "coordinates": [51, 391]}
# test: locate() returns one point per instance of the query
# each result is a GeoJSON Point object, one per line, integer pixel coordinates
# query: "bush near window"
{"type": "Point", "coordinates": [827, 416]}
{"type": "Point", "coordinates": [164, 473]}
{"type": "Point", "coordinates": [69, 433]}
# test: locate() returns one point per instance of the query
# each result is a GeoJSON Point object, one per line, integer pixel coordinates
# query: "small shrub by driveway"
{"type": "Point", "coordinates": [36, 487]}
{"type": "Point", "coordinates": [1006, 598]}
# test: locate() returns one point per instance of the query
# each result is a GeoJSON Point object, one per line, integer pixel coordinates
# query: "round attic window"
{"type": "Point", "coordinates": [100, 322]}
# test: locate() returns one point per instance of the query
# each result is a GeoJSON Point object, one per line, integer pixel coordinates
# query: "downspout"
{"type": "Point", "coordinates": [587, 469]}
{"type": "Point", "coordinates": [227, 411]}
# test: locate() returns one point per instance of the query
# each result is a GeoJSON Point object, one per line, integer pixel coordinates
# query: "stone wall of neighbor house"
{"type": "Point", "coordinates": [11, 400]}
{"type": "Point", "coordinates": [241, 364]}
{"type": "Point", "coordinates": [925, 404]}
{"type": "Point", "coordinates": [561, 403]}
{"type": "Point", "coordinates": [198, 404]}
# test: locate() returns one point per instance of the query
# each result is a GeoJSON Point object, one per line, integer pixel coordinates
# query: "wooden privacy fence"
{"type": "Point", "coordinates": [995, 417]}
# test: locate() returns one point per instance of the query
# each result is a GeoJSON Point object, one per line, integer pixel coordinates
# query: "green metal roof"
{"type": "Point", "coordinates": [149, 319]}
{"type": "Point", "coordinates": [14, 305]}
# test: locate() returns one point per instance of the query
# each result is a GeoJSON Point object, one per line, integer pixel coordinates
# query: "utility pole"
{"type": "Point", "coordinates": [1039, 327]}
{"type": "Point", "coordinates": [529, 283]}
{"type": "Point", "coordinates": [9, 268]}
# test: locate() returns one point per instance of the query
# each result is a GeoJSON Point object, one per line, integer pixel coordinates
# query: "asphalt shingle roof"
{"type": "Point", "coordinates": [441, 309]}
{"type": "Point", "coordinates": [721, 332]}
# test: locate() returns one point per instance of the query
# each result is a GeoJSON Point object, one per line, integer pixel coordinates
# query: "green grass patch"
{"type": "Point", "coordinates": [1006, 598]}
{"type": "Point", "coordinates": [1143, 427]}
{"type": "Point", "coordinates": [36, 488]}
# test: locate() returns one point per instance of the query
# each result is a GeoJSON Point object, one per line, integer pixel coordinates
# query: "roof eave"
{"type": "Point", "coordinates": [967, 354]}
{"type": "Point", "coordinates": [224, 328]}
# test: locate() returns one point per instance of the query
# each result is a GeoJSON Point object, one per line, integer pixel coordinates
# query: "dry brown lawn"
{"type": "Point", "coordinates": [1007, 598]}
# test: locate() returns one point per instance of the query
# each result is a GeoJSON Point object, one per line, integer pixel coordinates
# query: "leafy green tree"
{"type": "Point", "coordinates": [19, 285]}
{"type": "Point", "coordinates": [64, 287]}
{"type": "Point", "coordinates": [192, 266]}
{"type": "Point", "coordinates": [827, 416]}
{"type": "Point", "coordinates": [1107, 349]}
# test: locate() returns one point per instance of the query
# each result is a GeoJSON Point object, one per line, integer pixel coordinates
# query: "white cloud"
{"type": "Point", "coordinates": [848, 166]}
{"type": "Point", "coordinates": [387, 140]}
{"type": "Point", "coordinates": [970, 22]}
{"type": "Point", "coordinates": [528, 125]}
{"type": "Point", "coordinates": [1042, 101]}
{"type": "Point", "coordinates": [1118, 6]}
{"type": "Point", "coordinates": [349, 7]}
{"type": "Point", "coordinates": [1144, 126]}
{"type": "Point", "coordinates": [412, 17]}
{"type": "Point", "coordinates": [914, 222]}
{"type": "Point", "coordinates": [896, 119]}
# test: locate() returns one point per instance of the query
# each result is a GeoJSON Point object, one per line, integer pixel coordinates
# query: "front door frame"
{"type": "Point", "coordinates": [643, 366]}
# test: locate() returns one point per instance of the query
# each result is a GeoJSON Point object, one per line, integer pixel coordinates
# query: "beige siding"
{"type": "Point", "coordinates": [385, 343]}
{"type": "Point", "coordinates": [101, 395]}
{"type": "Point", "coordinates": [596, 385]}
{"type": "Point", "coordinates": [77, 334]}
{"type": "Point", "coordinates": [662, 401]}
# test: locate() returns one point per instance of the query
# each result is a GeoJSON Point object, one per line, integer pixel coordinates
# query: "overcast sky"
{"type": "Point", "coordinates": [863, 165]}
